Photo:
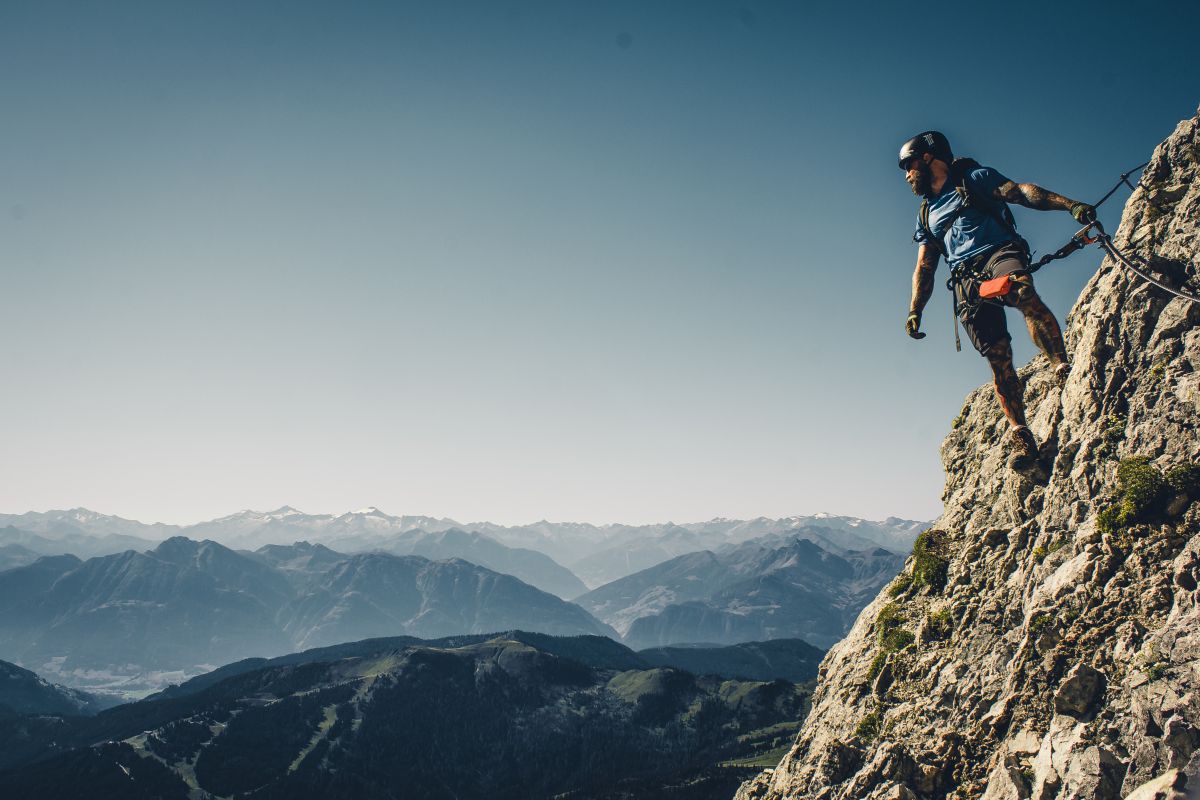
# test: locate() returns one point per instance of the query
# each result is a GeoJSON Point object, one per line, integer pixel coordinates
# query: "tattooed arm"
{"type": "Point", "coordinates": [1031, 195]}
{"type": "Point", "coordinates": [922, 281]}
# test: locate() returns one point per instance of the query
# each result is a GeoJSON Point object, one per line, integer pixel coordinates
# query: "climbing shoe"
{"type": "Point", "coordinates": [1061, 371]}
{"type": "Point", "coordinates": [1026, 458]}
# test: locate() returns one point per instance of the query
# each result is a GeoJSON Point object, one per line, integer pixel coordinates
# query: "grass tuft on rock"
{"type": "Point", "coordinates": [1144, 493]}
{"type": "Point", "coordinates": [1039, 623]}
{"type": "Point", "coordinates": [1040, 553]}
{"type": "Point", "coordinates": [869, 727]}
{"type": "Point", "coordinates": [876, 665]}
{"type": "Point", "coordinates": [930, 566]}
{"type": "Point", "coordinates": [889, 618]}
{"type": "Point", "coordinates": [896, 639]}
{"type": "Point", "coordinates": [939, 624]}
{"type": "Point", "coordinates": [900, 585]}
{"type": "Point", "coordinates": [1111, 435]}
{"type": "Point", "coordinates": [1185, 479]}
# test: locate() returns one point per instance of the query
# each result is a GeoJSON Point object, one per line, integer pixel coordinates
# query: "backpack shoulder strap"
{"type": "Point", "coordinates": [923, 219]}
{"type": "Point", "coordinates": [960, 174]}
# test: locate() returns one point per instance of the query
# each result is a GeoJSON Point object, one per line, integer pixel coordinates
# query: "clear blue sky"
{"type": "Point", "coordinates": [597, 261]}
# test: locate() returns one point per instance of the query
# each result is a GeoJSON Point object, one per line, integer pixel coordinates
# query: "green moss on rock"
{"type": "Point", "coordinates": [896, 639]}
{"type": "Point", "coordinates": [889, 618]}
{"type": "Point", "coordinates": [1185, 479]}
{"type": "Point", "coordinates": [1142, 493]}
{"type": "Point", "coordinates": [876, 665]}
{"type": "Point", "coordinates": [939, 624]}
{"type": "Point", "coordinates": [930, 565]}
{"type": "Point", "coordinates": [1111, 435]}
{"type": "Point", "coordinates": [900, 585]}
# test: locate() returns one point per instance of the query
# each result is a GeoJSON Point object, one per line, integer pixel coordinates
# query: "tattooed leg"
{"type": "Point", "coordinates": [1043, 327]}
{"type": "Point", "coordinates": [1008, 386]}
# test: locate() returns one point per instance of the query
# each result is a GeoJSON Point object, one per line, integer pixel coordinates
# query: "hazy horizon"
{"type": "Point", "coordinates": [503, 523]}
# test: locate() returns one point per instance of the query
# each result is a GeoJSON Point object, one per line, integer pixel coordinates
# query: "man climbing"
{"type": "Point", "coordinates": [964, 217]}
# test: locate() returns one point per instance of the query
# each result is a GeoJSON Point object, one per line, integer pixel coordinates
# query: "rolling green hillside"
{"type": "Point", "coordinates": [498, 718]}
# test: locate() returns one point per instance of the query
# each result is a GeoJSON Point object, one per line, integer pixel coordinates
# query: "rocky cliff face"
{"type": "Point", "coordinates": [1043, 641]}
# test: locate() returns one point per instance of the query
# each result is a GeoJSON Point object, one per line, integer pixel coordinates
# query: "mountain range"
{"type": "Point", "coordinates": [775, 587]}
{"type": "Point", "coordinates": [20, 542]}
{"type": "Point", "coordinates": [186, 606]}
{"type": "Point", "coordinates": [134, 621]}
{"type": "Point", "coordinates": [597, 554]}
{"type": "Point", "coordinates": [790, 660]}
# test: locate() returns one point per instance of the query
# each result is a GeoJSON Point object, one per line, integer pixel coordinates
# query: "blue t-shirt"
{"type": "Point", "coordinates": [976, 230]}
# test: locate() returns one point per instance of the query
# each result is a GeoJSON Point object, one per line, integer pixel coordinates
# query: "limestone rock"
{"type": "Point", "coordinates": [1079, 691]}
{"type": "Point", "coordinates": [1168, 786]}
{"type": "Point", "coordinates": [1058, 653]}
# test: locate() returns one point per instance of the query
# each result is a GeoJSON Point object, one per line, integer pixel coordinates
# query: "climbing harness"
{"type": "Point", "coordinates": [965, 274]}
{"type": "Point", "coordinates": [1092, 233]}
{"type": "Point", "coordinates": [960, 169]}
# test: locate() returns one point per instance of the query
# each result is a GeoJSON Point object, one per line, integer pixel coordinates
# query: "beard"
{"type": "Point", "coordinates": [922, 184]}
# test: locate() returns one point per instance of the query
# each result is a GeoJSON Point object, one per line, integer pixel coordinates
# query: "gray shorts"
{"type": "Point", "coordinates": [984, 320]}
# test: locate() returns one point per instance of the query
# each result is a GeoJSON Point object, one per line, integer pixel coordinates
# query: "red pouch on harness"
{"type": "Point", "coordinates": [996, 287]}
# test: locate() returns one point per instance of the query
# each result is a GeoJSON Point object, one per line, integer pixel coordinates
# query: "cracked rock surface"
{"type": "Point", "coordinates": [1034, 647]}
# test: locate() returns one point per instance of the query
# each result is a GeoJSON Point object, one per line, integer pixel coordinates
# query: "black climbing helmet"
{"type": "Point", "coordinates": [933, 142]}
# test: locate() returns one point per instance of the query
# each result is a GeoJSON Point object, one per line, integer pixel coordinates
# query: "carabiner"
{"type": "Point", "coordinates": [1082, 235]}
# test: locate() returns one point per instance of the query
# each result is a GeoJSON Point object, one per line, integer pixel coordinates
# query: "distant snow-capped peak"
{"type": "Point", "coordinates": [369, 511]}
{"type": "Point", "coordinates": [284, 511]}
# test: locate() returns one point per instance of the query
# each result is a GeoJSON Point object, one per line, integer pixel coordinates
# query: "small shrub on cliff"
{"type": "Point", "coordinates": [891, 635]}
{"type": "Point", "coordinates": [930, 565]}
{"type": "Point", "coordinates": [1141, 493]}
{"type": "Point", "coordinates": [1109, 520]}
{"type": "Point", "coordinates": [1153, 664]}
{"type": "Point", "coordinates": [901, 585]}
{"type": "Point", "coordinates": [896, 639]}
{"type": "Point", "coordinates": [1185, 479]}
{"type": "Point", "coordinates": [1038, 624]}
{"type": "Point", "coordinates": [1040, 553]}
{"type": "Point", "coordinates": [940, 624]}
{"type": "Point", "coordinates": [869, 727]}
{"type": "Point", "coordinates": [889, 617]}
{"type": "Point", "coordinates": [876, 665]}
{"type": "Point", "coordinates": [1142, 484]}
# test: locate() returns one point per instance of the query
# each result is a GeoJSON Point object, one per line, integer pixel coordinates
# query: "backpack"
{"type": "Point", "coordinates": [960, 170]}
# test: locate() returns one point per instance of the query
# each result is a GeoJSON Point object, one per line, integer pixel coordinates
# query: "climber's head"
{"type": "Point", "coordinates": [920, 157]}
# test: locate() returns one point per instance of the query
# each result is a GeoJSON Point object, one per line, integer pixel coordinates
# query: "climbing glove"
{"type": "Point", "coordinates": [913, 326]}
{"type": "Point", "coordinates": [1083, 213]}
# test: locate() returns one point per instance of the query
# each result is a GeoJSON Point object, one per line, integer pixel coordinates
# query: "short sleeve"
{"type": "Point", "coordinates": [920, 235]}
{"type": "Point", "coordinates": [986, 180]}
